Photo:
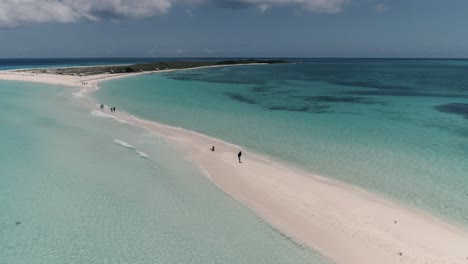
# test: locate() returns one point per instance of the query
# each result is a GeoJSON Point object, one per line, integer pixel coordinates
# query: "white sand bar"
{"type": "Point", "coordinates": [345, 223]}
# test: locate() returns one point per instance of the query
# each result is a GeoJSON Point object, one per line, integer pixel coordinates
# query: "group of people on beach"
{"type": "Point", "coordinates": [84, 83]}
{"type": "Point", "coordinates": [239, 155]}
{"type": "Point", "coordinates": [111, 108]}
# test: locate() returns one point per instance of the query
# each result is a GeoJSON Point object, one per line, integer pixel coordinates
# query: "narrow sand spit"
{"type": "Point", "coordinates": [345, 223]}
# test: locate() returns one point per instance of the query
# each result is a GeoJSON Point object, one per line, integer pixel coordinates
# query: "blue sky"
{"type": "Point", "coordinates": [233, 28]}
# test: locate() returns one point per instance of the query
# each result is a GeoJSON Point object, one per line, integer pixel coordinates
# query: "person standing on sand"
{"type": "Point", "coordinates": [239, 156]}
{"type": "Point", "coordinates": [212, 148]}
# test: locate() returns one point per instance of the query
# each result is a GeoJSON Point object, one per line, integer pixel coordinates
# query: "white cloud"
{"type": "Point", "coordinates": [211, 51]}
{"type": "Point", "coordinates": [264, 7]}
{"type": "Point", "coordinates": [189, 12]}
{"type": "Point", "coordinates": [181, 51]}
{"type": "Point", "coordinates": [18, 12]}
{"type": "Point", "coordinates": [318, 6]}
{"type": "Point", "coordinates": [325, 6]}
{"type": "Point", "coordinates": [381, 7]}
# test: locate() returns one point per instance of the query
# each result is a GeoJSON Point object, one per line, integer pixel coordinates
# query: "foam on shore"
{"type": "Point", "coordinates": [101, 114]}
{"type": "Point", "coordinates": [106, 115]}
{"type": "Point", "coordinates": [123, 143]}
{"type": "Point", "coordinates": [80, 93]}
{"type": "Point", "coordinates": [142, 155]}
{"type": "Point", "coordinates": [128, 146]}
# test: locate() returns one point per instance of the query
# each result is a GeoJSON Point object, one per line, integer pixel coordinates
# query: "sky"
{"type": "Point", "coordinates": [233, 28]}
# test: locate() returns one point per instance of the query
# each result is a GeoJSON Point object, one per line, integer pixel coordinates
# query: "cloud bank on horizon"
{"type": "Point", "coordinates": [20, 12]}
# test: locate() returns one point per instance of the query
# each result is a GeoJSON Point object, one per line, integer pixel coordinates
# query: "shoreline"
{"type": "Point", "coordinates": [341, 221]}
{"type": "Point", "coordinates": [63, 67]}
{"type": "Point", "coordinates": [25, 75]}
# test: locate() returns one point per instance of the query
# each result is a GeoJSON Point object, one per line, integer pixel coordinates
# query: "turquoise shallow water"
{"type": "Point", "coordinates": [70, 194]}
{"type": "Point", "coordinates": [398, 127]}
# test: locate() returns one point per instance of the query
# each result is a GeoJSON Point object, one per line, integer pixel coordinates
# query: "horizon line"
{"type": "Point", "coordinates": [233, 57]}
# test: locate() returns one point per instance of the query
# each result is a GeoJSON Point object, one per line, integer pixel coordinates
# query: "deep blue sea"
{"type": "Point", "coordinates": [398, 127]}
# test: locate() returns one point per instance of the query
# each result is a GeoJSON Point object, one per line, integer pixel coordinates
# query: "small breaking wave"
{"type": "Point", "coordinates": [102, 114]}
{"type": "Point", "coordinates": [142, 155]}
{"type": "Point", "coordinates": [128, 146]}
{"type": "Point", "coordinates": [123, 143]}
{"type": "Point", "coordinates": [106, 115]}
{"type": "Point", "coordinates": [78, 94]}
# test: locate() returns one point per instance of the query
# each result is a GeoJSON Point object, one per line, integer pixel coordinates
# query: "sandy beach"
{"type": "Point", "coordinates": [343, 222]}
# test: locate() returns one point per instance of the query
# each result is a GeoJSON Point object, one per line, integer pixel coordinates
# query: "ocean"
{"type": "Point", "coordinates": [76, 187]}
{"type": "Point", "coordinates": [79, 188]}
{"type": "Point", "coordinates": [398, 127]}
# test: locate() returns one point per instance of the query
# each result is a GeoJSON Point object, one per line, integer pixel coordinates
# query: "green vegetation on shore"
{"type": "Point", "coordinates": [144, 67]}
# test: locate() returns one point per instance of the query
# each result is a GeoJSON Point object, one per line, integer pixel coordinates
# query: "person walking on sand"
{"type": "Point", "coordinates": [239, 156]}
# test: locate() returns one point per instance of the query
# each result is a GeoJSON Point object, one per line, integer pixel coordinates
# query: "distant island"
{"type": "Point", "coordinates": [146, 67]}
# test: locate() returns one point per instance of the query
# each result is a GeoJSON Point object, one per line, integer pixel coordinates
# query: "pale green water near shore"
{"type": "Point", "coordinates": [71, 192]}
{"type": "Point", "coordinates": [398, 127]}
